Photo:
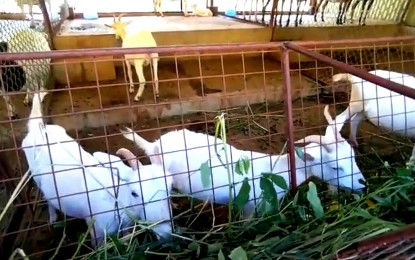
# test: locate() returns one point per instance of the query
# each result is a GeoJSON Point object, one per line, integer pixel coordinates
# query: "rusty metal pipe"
{"type": "Point", "coordinates": [374, 42]}
{"type": "Point", "coordinates": [173, 50]}
{"type": "Point", "coordinates": [289, 125]}
{"type": "Point", "coordinates": [201, 49]}
{"type": "Point", "coordinates": [393, 86]}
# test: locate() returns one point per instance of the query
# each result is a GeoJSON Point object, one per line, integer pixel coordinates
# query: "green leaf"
{"type": "Point", "coordinates": [118, 245]}
{"type": "Point", "coordinates": [206, 173]}
{"type": "Point", "coordinates": [243, 195]}
{"type": "Point", "coordinates": [242, 165]}
{"type": "Point", "coordinates": [269, 193]}
{"type": "Point", "coordinates": [314, 200]}
{"type": "Point", "coordinates": [221, 256]}
{"type": "Point", "coordinates": [403, 172]}
{"type": "Point", "coordinates": [382, 201]}
{"type": "Point", "coordinates": [211, 248]}
{"type": "Point", "coordinates": [277, 180]}
{"type": "Point", "coordinates": [238, 254]}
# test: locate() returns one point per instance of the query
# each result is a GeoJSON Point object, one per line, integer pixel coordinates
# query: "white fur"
{"type": "Point", "coordinates": [384, 108]}
{"type": "Point", "coordinates": [205, 12]}
{"type": "Point", "coordinates": [64, 172]}
{"type": "Point", "coordinates": [154, 184]}
{"type": "Point", "coordinates": [136, 37]}
{"type": "Point", "coordinates": [184, 151]}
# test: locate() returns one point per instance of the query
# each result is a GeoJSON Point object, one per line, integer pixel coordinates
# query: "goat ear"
{"type": "Point", "coordinates": [157, 156]}
{"type": "Point", "coordinates": [308, 157]}
{"type": "Point", "coordinates": [300, 152]}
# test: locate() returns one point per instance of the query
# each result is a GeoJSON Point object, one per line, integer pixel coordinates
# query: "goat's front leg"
{"type": "Point", "coordinates": [138, 64]}
{"type": "Point", "coordinates": [29, 96]}
{"type": "Point", "coordinates": [32, 19]}
{"type": "Point", "coordinates": [10, 108]}
{"type": "Point", "coordinates": [53, 216]}
{"type": "Point", "coordinates": [97, 235]}
{"type": "Point", "coordinates": [411, 161]}
{"type": "Point", "coordinates": [156, 77]}
{"type": "Point", "coordinates": [185, 8]}
{"type": "Point", "coordinates": [354, 125]}
{"type": "Point", "coordinates": [157, 8]}
{"type": "Point", "coordinates": [323, 8]}
{"type": "Point", "coordinates": [130, 76]}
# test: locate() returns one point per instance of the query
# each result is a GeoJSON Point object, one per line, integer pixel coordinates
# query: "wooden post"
{"type": "Point", "coordinates": [47, 23]}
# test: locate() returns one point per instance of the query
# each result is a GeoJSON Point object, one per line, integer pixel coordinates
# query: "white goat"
{"type": "Point", "coordinates": [384, 108]}
{"type": "Point", "coordinates": [137, 38]}
{"type": "Point", "coordinates": [37, 71]}
{"type": "Point", "coordinates": [155, 187]}
{"type": "Point", "coordinates": [184, 151]}
{"type": "Point", "coordinates": [74, 182]}
{"type": "Point", "coordinates": [31, 3]}
{"type": "Point", "coordinates": [12, 78]}
{"type": "Point", "coordinates": [157, 7]}
{"type": "Point", "coordinates": [205, 12]}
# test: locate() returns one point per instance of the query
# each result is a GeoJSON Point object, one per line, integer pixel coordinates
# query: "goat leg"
{"type": "Point", "coordinates": [411, 161]}
{"type": "Point", "coordinates": [138, 64]}
{"type": "Point", "coordinates": [156, 78]}
{"type": "Point", "coordinates": [10, 108]}
{"type": "Point", "coordinates": [130, 76]}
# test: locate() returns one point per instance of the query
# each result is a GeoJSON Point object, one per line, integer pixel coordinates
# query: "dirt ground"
{"type": "Point", "coordinates": [258, 127]}
{"type": "Point", "coordinates": [262, 130]}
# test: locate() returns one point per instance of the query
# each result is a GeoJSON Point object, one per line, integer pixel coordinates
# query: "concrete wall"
{"type": "Point", "coordinates": [83, 70]}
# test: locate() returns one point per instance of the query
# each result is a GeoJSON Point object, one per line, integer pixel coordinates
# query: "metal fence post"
{"type": "Point", "coordinates": [289, 116]}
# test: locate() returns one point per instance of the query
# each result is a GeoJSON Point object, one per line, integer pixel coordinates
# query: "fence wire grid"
{"type": "Point", "coordinates": [270, 95]}
{"type": "Point", "coordinates": [380, 12]}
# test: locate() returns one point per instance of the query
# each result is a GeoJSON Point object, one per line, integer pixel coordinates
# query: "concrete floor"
{"type": "Point", "coordinates": [156, 24]}
{"type": "Point", "coordinates": [182, 23]}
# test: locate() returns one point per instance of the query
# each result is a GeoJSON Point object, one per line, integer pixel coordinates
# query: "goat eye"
{"type": "Point", "coordinates": [337, 168]}
{"type": "Point", "coordinates": [135, 195]}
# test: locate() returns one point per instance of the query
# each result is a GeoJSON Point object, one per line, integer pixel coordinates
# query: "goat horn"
{"type": "Point", "coordinates": [130, 157]}
{"type": "Point", "coordinates": [333, 124]}
{"type": "Point", "coordinates": [315, 139]}
{"type": "Point", "coordinates": [311, 139]}
{"type": "Point", "coordinates": [327, 115]}
{"type": "Point", "coordinates": [114, 18]}
{"type": "Point", "coordinates": [121, 15]}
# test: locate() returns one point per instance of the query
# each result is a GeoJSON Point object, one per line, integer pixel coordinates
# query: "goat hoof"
{"type": "Point", "coordinates": [137, 99]}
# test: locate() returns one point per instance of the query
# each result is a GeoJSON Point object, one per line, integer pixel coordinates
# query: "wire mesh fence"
{"type": "Point", "coordinates": [310, 12]}
{"type": "Point", "coordinates": [234, 92]}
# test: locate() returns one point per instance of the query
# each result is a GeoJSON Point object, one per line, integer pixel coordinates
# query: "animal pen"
{"type": "Point", "coordinates": [258, 97]}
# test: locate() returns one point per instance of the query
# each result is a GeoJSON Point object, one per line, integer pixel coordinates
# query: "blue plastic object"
{"type": "Point", "coordinates": [230, 12]}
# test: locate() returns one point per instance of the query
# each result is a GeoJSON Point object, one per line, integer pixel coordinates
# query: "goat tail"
{"type": "Point", "coordinates": [35, 117]}
{"type": "Point", "coordinates": [142, 143]}
{"type": "Point", "coordinates": [342, 76]}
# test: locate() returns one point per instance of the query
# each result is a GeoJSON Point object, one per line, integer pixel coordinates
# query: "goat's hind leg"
{"type": "Point", "coordinates": [130, 76]}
